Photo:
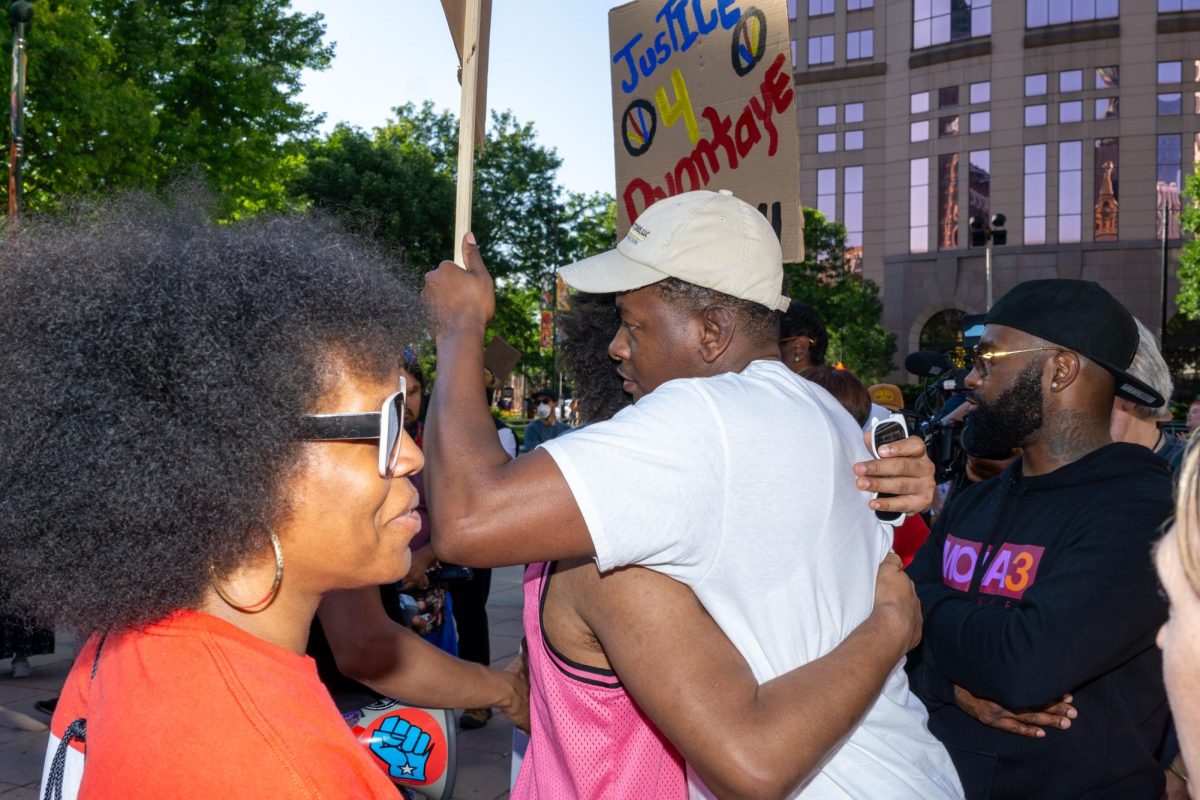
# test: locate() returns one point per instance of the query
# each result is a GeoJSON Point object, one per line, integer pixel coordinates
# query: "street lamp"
{"type": "Point", "coordinates": [20, 16]}
{"type": "Point", "coordinates": [985, 235]}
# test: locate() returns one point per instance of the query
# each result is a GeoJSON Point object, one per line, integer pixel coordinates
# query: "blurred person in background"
{"type": "Point", "coordinates": [803, 339]}
{"type": "Point", "coordinates": [546, 425]}
{"type": "Point", "coordinates": [1138, 424]}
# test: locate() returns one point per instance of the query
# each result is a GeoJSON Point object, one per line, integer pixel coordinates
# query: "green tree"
{"type": "Point", "coordinates": [397, 185]}
{"type": "Point", "coordinates": [1188, 300]}
{"type": "Point", "coordinates": [848, 303]}
{"type": "Point", "coordinates": [387, 187]}
{"type": "Point", "coordinates": [133, 93]}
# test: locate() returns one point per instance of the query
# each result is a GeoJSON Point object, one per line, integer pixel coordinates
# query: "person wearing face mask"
{"type": "Point", "coordinates": [547, 425]}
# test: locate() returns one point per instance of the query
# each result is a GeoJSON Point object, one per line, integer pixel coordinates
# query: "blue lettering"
{"type": "Point", "coordinates": [648, 62]}
{"type": "Point", "coordinates": [626, 53]}
{"type": "Point", "coordinates": [728, 18]}
{"type": "Point", "coordinates": [661, 47]}
{"type": "Point", "coordinates": [705, 27]}
{"type": "Point", "coordinates": [683, 22]}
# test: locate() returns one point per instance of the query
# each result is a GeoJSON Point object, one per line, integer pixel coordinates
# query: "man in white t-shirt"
{"type": "Point", "coordinates": [730, 474]}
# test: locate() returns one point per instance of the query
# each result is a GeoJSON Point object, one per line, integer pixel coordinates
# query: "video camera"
{"type": "Point", "coordinates": [944, 384]}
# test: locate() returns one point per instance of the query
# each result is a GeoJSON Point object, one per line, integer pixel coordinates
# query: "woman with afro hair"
{"type": "Point", "coordinates": [201, 439]}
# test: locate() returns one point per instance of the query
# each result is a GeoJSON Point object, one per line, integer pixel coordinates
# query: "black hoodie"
{"type": "Point", "coordinates": [1067, 602]}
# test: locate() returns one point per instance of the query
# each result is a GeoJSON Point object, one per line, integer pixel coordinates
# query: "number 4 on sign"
{"type": "Point", "coordinates": [470, 24]}
{"type": "Point", "coordinates": [682, 107]}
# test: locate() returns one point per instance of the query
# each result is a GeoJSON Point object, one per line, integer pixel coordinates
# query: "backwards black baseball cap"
{"type": "Point", "coordinates": [1079, 316]}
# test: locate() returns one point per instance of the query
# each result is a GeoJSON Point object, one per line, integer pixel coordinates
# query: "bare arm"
{"type": "Point", "coordinates": [745, 740]}
{"type": "Point", "coordinates": [487, 510]}
{"type": "Point", "coordinates": [372, 649]}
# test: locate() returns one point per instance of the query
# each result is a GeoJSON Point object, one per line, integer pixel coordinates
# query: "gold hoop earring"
{"type": "Point", "coordinates": [253, 608]}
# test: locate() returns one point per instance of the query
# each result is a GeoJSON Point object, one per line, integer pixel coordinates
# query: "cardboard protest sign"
{"type": "Point", "coordinates": [703, 99]}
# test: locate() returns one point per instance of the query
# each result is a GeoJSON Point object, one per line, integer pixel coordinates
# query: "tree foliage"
{"type": "Point", "coordinates": [1188, 300]}
{"type": "Point", "coordinates": [396, 184]}
{"type": "Point", "coordinates": [132, 93]}
{"type": "Point", "coordinates": [848, 303]}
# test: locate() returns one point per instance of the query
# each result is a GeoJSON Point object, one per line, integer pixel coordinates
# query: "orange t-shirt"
{"type": "Point", "coordinates": [193, 707]}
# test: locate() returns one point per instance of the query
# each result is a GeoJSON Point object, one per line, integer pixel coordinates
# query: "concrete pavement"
{"type": "Point", "coordinates": [483, 771]}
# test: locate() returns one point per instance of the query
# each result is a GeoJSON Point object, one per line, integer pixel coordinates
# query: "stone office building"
{"type": "Point", "coordinates": [1078, 120]}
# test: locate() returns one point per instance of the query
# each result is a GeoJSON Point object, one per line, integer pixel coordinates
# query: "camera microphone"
{"type": "Point", "coordinates": [928, 364]}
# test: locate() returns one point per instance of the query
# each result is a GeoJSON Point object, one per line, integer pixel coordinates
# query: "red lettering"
{"type": "Point", "coordinates": [650, 195]}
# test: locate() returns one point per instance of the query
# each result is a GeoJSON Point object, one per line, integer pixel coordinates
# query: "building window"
{"type": "Point", "coordinates": [854, 140]}
{"type": "Point", "coordinates": [1107, 172]}
{"type": "Point", "coordinates": [1167, 6]}
{"type": "Point", "coordinates": [1170, 71]}
{"type": "Point", "coordinates": [918, 103]}
{"type": "Point", "coordinates": [918, 205]}
{"type": "Point", "coordinates": [1107, 107]}
{"type": "Point", "coordinates": [981, 122]}
{"type": "Point", "coordinates": [820, 50]}
{"type": "Point", "coordinates": [1035, 194]}
{"type": "Point", "coordinates": [948, 126]}
{"type": "Point", "coordinates": [1108, 77]}
{"type": "Point", "coordinates": [1170, 180]}
{"type": "Point", "coordinates": [1070, 112]}
{"type": "Point", "coordinates": [1070, 191]}
{"type": "Point", "coordinates": [791, 9]}
{"type": "Point", "coordinates": [817, 8]}
{"type": "Point", "coordinates": [827, 143]}
{"type": "Point", "coordinates": [948, 201]}
{"type": "Point", "coordinates": [826, 115]}
{"type": "Point", "coordinates": [860, 44]}
{"type": "Point", "coordinates": [853, 218]}
{"type": "Point", "coordinates": [857, 5]}
{"type": "Point", "coordinates": [1040, 13]}
{"type": "Point", "coordinates": [853, 112]}
{"type": "Point", "coordinates": [1170, 104]}
{"type": "Point", "coordinates": [827, 193]}
{"type": "Point", "coordinates": [1070, 81]}
{"type": "Point", "coordinates": [1035, 85]}
{"type": "Point", "coordinates": [981, 92]}
{"type": "Point", "coordinates": [942, 21]}
{"type": "Point", "coordinates": [1034, 116]}
{"type": "Point", "coordinates": [947, 96]}
{"type": "Point", "coordinates": [919, 131]}
{"type": "Point", "coordinates": [979, 184]}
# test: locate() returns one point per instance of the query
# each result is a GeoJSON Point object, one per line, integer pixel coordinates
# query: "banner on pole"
{"type": "Point", "coordinates": [703, 99]}
{"type": "Point", "coordinates": [547, 330]}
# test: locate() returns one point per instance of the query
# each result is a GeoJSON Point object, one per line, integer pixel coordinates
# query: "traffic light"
{"type": "Point", "coordinates": [999, 235]}
{"type": "Point", "coordinates": [979, 235]}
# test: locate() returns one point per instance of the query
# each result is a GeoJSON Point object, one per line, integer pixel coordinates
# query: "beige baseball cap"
{"type": "Point", "coordinates": [710, 239]}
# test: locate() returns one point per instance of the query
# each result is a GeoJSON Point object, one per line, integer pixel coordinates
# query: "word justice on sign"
{"type": "Point", "coordinates": [684, 23]}
{"type": "Point", "coordinates": [735, 139]}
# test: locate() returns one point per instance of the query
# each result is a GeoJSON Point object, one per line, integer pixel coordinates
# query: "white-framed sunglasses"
{"type": "Point", "coordinates": [385, 426]}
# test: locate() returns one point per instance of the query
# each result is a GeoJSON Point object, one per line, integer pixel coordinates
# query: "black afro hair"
{"type": "Point", "coordinates": [587, 328]}
{"type": "Point", "coordinates": [153, 370]}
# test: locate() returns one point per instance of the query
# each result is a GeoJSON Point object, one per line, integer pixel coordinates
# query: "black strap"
{"type": "Point", "coordinates": [76, 730]}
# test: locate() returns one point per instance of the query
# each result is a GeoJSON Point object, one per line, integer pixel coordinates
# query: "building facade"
{"type": "Point", "coordinates": [1078, 120]}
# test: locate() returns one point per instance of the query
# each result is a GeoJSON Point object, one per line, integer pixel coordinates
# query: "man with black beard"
{"type": "Point", "coordinates": [1038, 665]}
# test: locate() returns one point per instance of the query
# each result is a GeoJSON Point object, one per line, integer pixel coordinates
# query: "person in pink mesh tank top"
{"type": "Point", "coordinates": [588, 736]}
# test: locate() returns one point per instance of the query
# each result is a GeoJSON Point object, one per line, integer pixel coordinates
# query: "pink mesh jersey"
{"type": "Point", "coordinates": [588, 738]}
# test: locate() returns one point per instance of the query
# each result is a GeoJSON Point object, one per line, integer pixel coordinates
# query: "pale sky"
{"type": "Point", "coordinates": [549, 65]}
